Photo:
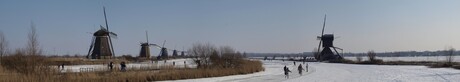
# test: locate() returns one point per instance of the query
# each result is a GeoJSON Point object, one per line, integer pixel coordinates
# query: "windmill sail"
{"type": "Point", "coordinates": [110, 39]}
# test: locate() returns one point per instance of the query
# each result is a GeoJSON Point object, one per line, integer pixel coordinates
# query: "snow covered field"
{"type": "Point", "coordinates": [414, 58]}
{"type": "Point", "coordinates": [330, 72]}
{"type": "Point", "coordinates": [417, 58]}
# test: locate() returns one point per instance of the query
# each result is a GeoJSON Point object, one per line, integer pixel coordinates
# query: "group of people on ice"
{"type": "Point", "coordinates": [299, 68]}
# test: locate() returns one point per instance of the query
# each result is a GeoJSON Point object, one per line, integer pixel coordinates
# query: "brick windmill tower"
{"type": "Point", "coordinates": [145, 48]}
{"type": "Point", "coordinates": [101, 45]}
{"type": "Point", "coordinates": [327, 42]}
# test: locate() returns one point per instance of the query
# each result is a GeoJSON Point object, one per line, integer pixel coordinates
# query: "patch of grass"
{"type": "Point", "coordinates": [342, 61]}
{"type": "Point", "coordinates": [246, 68]}
{"type": "Point", "coordinates": [456, 66]}
{"type": "Point", "coordinates": [444, 65]}
{"type": "Point", "coordinates": [166, 73]}
{"type": "Point", "coordinates": [374, 61]}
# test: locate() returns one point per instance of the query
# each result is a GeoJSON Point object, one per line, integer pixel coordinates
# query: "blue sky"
{"type": "Point", "coordinates": [268, 26]}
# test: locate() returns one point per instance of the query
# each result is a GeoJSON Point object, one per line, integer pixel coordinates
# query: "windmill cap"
{"type": "Point", "coordinates": [101, 32]}
{"type": "Point", "coordinates": [327, 37]}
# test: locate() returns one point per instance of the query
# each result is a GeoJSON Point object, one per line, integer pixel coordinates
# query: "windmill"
{"type": "Point", "coordinates": [327, 41]}
{"type": "Point", "coordinates": [175, 53]}
{"type": "Point", "coordinates": [182, 53]}
{"type": "Point", "coordinates": [101, 44]}
{"type": "Point", "coordinates": [145, 48]}
{"type": "Point", "coordinates": [164, 51]}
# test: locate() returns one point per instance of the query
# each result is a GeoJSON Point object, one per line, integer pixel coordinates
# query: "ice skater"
{"type": "Point", "coordinates": [306, 67]}
{"type": "Point", "coordinates": [123, 66]}
{"type": "Point", "coordinates": [286, 72]}
{"type": "Point", "coordinates": [300, 68]}
{"type": "Point", "coordinates": [62, 65]}
{"type": "Point", "coordinates": [110, 66]}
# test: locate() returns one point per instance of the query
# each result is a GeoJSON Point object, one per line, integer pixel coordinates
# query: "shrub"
{"type": "Point", "coordinates": [201, 53]}
{"type": "Point", "coordinates": [26, 64]}
{"type": "Point", "coordinates": [341, 61]}
{"type": "Point", "coordinates": [456, 66]}
{"type": "Point", "coordinates": [247, 67]}
{"type": "Point", "coordinates": [375, 61]}
{"type": "Point", "coordinates": [449, 56]}
{"type": "Point", "coordinates": [371, 55]}
{"type": "Point", "coordinates": [129, 58]}
{"type": "Point", "coordinates": [208, 56]}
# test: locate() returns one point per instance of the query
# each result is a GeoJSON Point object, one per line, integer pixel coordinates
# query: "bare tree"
{"type": "Point", "coordinates": [207, 55]}
{"type": "Point", "coordinates": [28, 60]}
{"type": "Point", "coordinates": [32, 45]}
{"type": "Point", "coordinates": [230, 58]}
{"type": "Point", "coordinates": [3, 45]}
{"type": "Point", "coordinates": [371, 54]}
{"type": "Point", "coordinates": [201, 53]}
{"type": "Point", "coordinates": [449, 55]}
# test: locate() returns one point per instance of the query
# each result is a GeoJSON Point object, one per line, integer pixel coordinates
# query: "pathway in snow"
{"type": "Point", "coordinates": [330, 72]}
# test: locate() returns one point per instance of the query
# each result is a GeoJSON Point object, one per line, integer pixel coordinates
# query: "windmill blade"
{"type": "Point", "coordinates": [113, 35]}
{"type": "Point", "coordinates": [157, 46]}
{"type": "Point", "coordinates": [102, 27]}
{"type": "Point", "coordinates": [90, 47]}
{"type": "Point", "coordinates": [164, 43]}
{"type": "Point", "coordinates": [153, 45]}
{"type": "Point", "coordinates": [147, 36]}
{"type": "Point", "coordinates": [337, 51]}
{"type": "Point", "coordinates": [170, 49]}
{"type": "Point", "coordinates": [338, 48]}
{"type": "Point", "coordinates": [322, 33]}
{"type": "Point", "coordinates": [319, 46]}
{"type": "Point", "coordinates": [110, 39]}
{"type": "Point", "coordinates": [324, 25]}
{"type": "Point", "coordinates": [336, 37]}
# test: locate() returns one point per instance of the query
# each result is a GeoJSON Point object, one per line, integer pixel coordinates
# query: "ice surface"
{"type": "Point", "coordinates": [319, 72]}
{"type": "Point", "coordinates": [332, 72]}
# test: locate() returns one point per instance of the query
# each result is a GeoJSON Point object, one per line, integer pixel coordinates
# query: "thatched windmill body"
{"type": "Point", "coordinates": [145, 48]}
{"type": "Point", "coordinates": [101, 47]}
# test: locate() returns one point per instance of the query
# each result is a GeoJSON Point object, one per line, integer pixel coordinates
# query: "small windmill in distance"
{"type": "Point", "coordinates": [145, 48]}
